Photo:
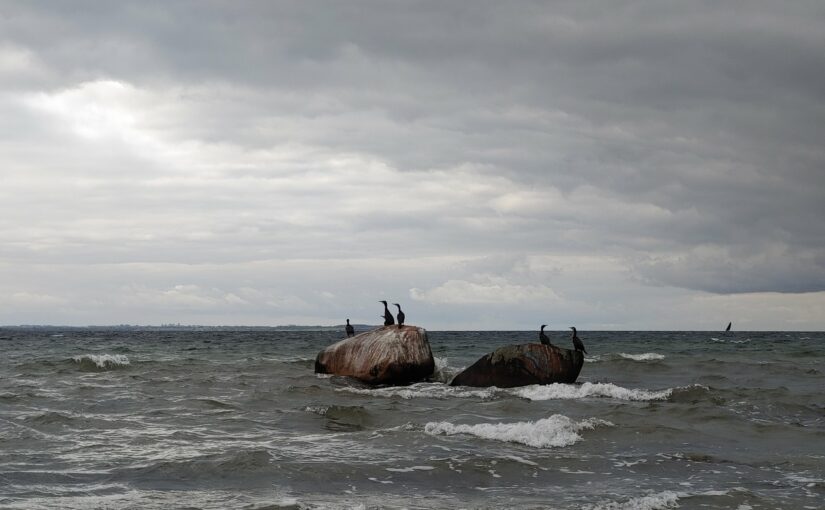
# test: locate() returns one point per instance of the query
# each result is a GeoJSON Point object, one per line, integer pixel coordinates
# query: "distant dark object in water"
{"type": "Point", "coordinates": [522, 365]}
{"type": "Point", "coordinates": [729, 325]}
{"type": "Point", "coordinates": [544, 339]}
{"type": "Point", "coordinates": [350, 329]}
{"type": "Point", "coordinates": [388, 320]}
{"type": "Point", "coordinates": [400, 315]}
{"type": "Point", "coordinates": [386, 355]}
{"type": "Point", "coordinates": [577, 343]}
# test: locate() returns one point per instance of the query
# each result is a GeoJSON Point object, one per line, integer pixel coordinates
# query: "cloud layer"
{"type": "Point", "coordinates": [611, 164]}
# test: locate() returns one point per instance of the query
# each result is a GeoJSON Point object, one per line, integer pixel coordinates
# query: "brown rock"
{"type": "Point", "coordinates": [386, 355]}
{"type": "Point", "coordinates": [521, 365]}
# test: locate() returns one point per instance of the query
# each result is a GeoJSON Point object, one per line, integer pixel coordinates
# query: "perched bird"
{"type": "Point", "coordinates": [544, 339]}
{"type": "Point", "coordinates": [388, 320]}
{"type": "Point", "coordinates": [577, 343]}
{"type": "Point", "coordinates": [350, 329]}
{"type": "Point", "coordinates": [400, 315]}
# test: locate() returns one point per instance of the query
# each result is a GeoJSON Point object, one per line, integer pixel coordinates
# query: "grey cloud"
{"type": "Point", "coordinates": [681, 139]}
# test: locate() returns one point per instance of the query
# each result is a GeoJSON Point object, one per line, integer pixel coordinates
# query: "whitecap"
{"type": "Point", "coordinates": [657, 501]}
{"type": "Point", "coordinates": [424, 390]}
{"type": "Point", "coordinates": [443, 372]}
{"type": "Point", "coordinates": [560, 391]}
{"type": "Point", "coordinates": [103, 360]}
{"type": "Point", "coordinates": [647, 356]}
{"type": "Point", "coordinates": [556, 431]}
{"type": "Point", "coordinates": [410, 469]}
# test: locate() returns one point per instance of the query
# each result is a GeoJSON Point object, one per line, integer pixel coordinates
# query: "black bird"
{"type": "Point", "coordinates": [388, 320]}
{"type": "Point", "coordinates": [350, 329]}
{"type": "Point", "coordinates": [400, 315]}
{"type": "Point", "coordinates": [544, 339]}
{"type": "Point", "coordinates": [577, 343]}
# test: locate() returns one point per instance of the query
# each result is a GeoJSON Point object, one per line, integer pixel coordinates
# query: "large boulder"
{"type": "Point", "coordinates": [386, 355]}
{"type": "Point", "coordinates": [521, 365]}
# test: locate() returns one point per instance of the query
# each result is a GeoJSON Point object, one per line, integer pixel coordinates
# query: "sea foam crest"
{"type": "Point", "coordinates": [424, 390]}
{"type": "Point", "coordinates": [560, 391]}
{"type": "Point", "coordinates": [556, 431]}
{"type": "Point", "coordinates": [647, 356]}
{"type": "Point", "coordinates": [443, 372]}
{"type": "Point", "coordinates": [657, 501]}
{"type": "Point", "coordinates": [103, 360]}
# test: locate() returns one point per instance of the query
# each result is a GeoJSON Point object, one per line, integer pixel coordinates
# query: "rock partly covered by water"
{"type": "Point", "coordinates": [386, 355]}
{"type": "Point", "coordinates": [521, 365]}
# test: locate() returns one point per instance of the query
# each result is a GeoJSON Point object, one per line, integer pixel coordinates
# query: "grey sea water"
{"type": "Point", "coordinates": [237, 419]}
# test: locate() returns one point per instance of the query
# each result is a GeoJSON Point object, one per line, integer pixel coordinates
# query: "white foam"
{"type": "Point", "coordinates": [443, 372]}
{"type": "Point", "coordinates": [560, 391]}
{"type": "Point", "coordinates": [410, 469]}
{"type": "Point", "coordinates": [658, 501]}
{"type": "Point", "coordinates": [556, 431]}
{"type": "Point", "coordinates": [424, 390]}
{"type": "Point", "coordinates": [104, 360]}
{"type": "Point", "coordinates": [647, 356]}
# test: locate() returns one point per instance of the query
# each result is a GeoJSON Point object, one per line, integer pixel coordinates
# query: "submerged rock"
{"type": "Point", "coordinates": [386, 355]}
{"type": "Point", "coordinates": [521, 365]}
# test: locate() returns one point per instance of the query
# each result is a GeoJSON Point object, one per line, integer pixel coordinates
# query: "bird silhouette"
{"type": "Point", "coordinates": [577, 343]}
{"type": "Point", "coordinates": [544, 339]}
{"type": "Point", "coordinates": [388, 320]}
{"type": "Point", "coordinates": [400, 315]}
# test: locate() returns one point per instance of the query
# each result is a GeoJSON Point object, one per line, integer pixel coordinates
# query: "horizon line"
{"type": "Point", "coordinates": [317, 326]}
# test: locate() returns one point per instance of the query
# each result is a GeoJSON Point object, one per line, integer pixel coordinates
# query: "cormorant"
{"type": "Point", "coordinates": [579, 346]}
{"type": "Point", "coordinates": [350, 329]}
{"type": "Point", "coordinates": [400, 315]}
{"type": "Point", "coordinates": [388, 320]}
{"type": "Point", "coordinates": [544, 339]}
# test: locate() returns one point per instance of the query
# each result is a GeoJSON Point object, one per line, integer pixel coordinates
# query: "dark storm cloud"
{"type": "Point", "coordinates": [683, 139]}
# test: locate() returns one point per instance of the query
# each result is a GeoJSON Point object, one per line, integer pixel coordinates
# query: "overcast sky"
{"type": "Point", "coordinates": [488, 165]}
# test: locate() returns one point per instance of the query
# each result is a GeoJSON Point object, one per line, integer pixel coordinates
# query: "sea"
{"type": "Point", "coordinates": [236, 418]}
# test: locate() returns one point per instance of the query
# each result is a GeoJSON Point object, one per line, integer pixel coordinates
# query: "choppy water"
{"type": "Point", "coordinates": [237, 419]}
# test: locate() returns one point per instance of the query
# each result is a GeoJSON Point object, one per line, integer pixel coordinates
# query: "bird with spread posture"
{"type": "Point", "coordinates": [400, 315]}
{"type": "Point", "coordinates": [577, 343]}
{"type": "Point", "coordinates": [388, 320]}
{"type": "Point", "coordinates": [544, 339]}
{"type": "Point", "coordinates": [350, 329]}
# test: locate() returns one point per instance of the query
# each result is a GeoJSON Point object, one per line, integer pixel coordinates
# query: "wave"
{"type": "Point", "coordinates": [252, 462]}
{"type": "Point", "coordinates": [443, 371]}
{"type": "Point", "coordinates": [560, 391]}
{"type": "Point", "coordinates": [556, 431]}
{"type": "Point", "coordinates": [659, 501]}
{"type": "Point", "coordinates": [621, 356]}
{"type": "Point", "coordinates": [730, 340]}
{"type": "Point", "coordinates": [556, 391]}
{"type": "Point", "coordinates": [101, 362]}
{"type": "Point", "coordinates": [343, 418]}
{"type": "Point", "coordinates": [425, 390]}
{"type": "Point", "coordinates": [647, 356]}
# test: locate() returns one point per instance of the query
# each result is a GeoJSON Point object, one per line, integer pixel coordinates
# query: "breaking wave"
{"type": "Point", "coordinates": [658, 501]}
{"type": "Point", "coordinates": [424, 390]}
{"type": "Point", "coordinates": [554, 432]}
{"type": "Point", "coordinates": [101, 362]}
{"type": "Point", "coordinates": [443, 371]}
{"type": "Point", "coordinates": [647, 356]}
{"type": "Point", "coordinates": [560, 391]}
{"type": "Point", "coordinates": [623, 356]}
